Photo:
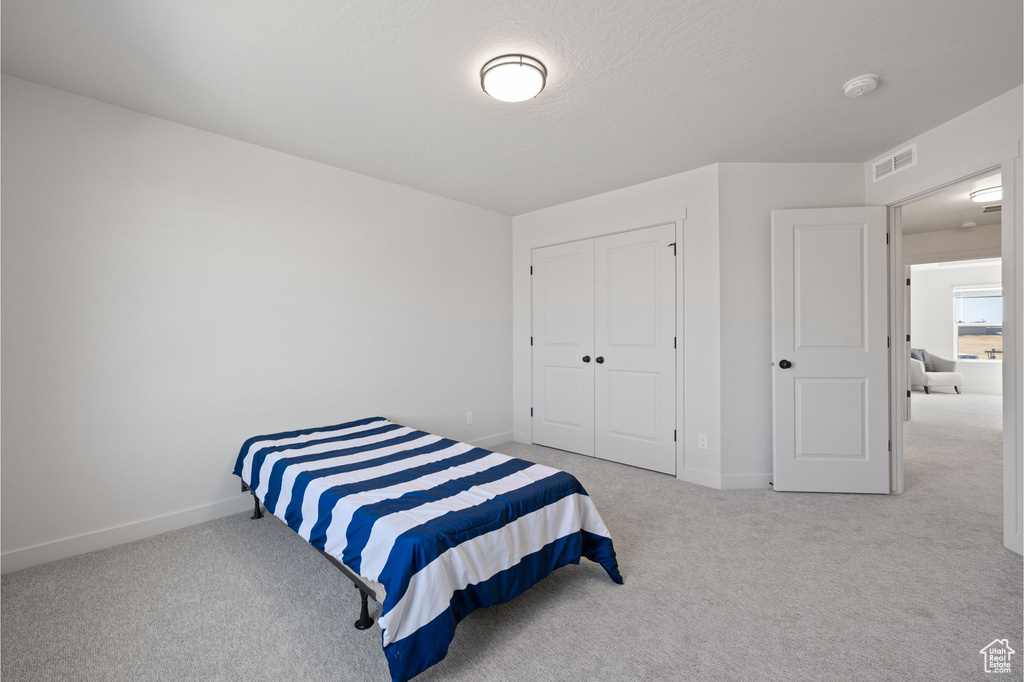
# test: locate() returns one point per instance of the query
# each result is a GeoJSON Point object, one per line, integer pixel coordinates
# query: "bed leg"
{"type": "Point", "coordinates": [257, 513]}
{"type": "Point", "coordinates": [364, 621]}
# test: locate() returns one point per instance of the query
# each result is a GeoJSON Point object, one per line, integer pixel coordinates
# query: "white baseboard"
{"type": "Point", "coordinates": [17, 559]}
{"type": "Point", "coordinates": [521, 437]}
{"type": "Point", "coordinates": [706, 478]}
{"type": "Point", "coordinates": [1016, 543]}
{"type": "Point", "coordinates": [491, 441]}
{"type": "Point", "coordinates": [745, 481]}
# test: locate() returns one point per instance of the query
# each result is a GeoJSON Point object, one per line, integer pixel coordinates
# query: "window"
{"type": "Point", "coordinates": [979, 322]}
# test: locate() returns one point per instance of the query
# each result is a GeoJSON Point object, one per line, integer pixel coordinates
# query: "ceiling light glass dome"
{"type": "Point", "coordinates": [988, 194]}
{"type": "Point", "coordinates": [513, 78]}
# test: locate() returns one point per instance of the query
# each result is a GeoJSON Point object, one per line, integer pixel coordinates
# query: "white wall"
{"type": "Point", "coordinates": [963, 146]}
{"type": "Point", "coordinates": [695, 195]}
{"type": "Point", "coordinates": [946, 245]}
{"type": "Point", "coordinates": [984, 138]}
{"type": "Point", "coordinates": [932, 318]}
{"type": "Point", "coordinates": [747, 194]}
{"type": "Point", "coordinates": [167, 293]}
{"type": "Point", "coordinates": [724, 297]}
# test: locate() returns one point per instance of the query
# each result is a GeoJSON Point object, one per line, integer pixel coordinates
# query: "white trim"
{"type": "Point", "coordinates": [899, 350]}
{"type": "Point", "coordinates": [899, 372]}
{"type": "Point", "coordinates": [745, 481]}
{"type": "Point", "coordinates": [680, 294]}
{"type": "Point", "coordinates": [491, 441]}
{"type": "Point", "coordinates": [604, 230]}
{"type": "Point", "coordinates": [522, 437]}
{"type": "Point", "coordinates": [709, 479]}
{"type": "Point", "coordinates": [1013, 362]}
{"type": "Point", "coordinates": [1006, 159]}
{"type": "Point", "coordinates": [17, 559]}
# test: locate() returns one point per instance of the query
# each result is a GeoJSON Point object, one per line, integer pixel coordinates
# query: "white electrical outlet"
{"type": "Point", "coordinates": [702, 441]}
{"type": "Point", "coordinates": [469, 417]}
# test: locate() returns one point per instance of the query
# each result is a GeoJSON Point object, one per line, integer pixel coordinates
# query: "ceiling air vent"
{"type": "Point", "coordinates": [993, 209]}
{"type": "Point", "coordinates": [894, 163]}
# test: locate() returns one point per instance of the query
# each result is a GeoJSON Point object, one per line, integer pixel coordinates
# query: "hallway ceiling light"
{"type": "Point", "coordinates": [513, 77]}
{"type": "Point", "coordinates": [988, 194]}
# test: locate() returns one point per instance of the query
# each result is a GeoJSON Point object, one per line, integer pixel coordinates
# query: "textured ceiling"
{"type": "Point", "coordinates": [637, 89]}
{"type": "Point", "coordinates": [950, 209]}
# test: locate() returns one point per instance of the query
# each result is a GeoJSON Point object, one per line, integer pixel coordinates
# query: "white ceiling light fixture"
{"type": "Point", "coordinates": [513, 77]}
{"type": "Point", "coordinates": [988, 194]}
{"type": "Point", "coordinates": [861, 85]}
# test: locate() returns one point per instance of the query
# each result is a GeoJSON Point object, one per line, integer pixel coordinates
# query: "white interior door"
{"type": "Point", "coordinates": [830, 354]}
{"type": "Point", "coordinates": [563, 343]}
{"type": "Point", "coordinates": [634, 322]}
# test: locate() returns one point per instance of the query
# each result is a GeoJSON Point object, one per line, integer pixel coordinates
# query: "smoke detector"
{"type": "Point", "coordinates": [861, 85]}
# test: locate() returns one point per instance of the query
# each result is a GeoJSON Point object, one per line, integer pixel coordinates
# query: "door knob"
{"type": "Point", "coordinates": [586, 358]}
{"type": "Point", "coordinates": [785, 364]}
{"type": "Point", "coordinates": [599, 359]}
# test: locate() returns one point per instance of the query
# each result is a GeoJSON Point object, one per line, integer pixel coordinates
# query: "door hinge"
{"type": "Point", "coordinates": [673, 245]}
{"type": "Point", "coordinates": [531, 411]}
{"type": "Point", "coordinates": [887, 342]}
{"type": "Point", "coordinates": [675, 342]}
{"type": "Point", "coordinates": [674, 433]}
{"type": "Point", "coordinates": [908, 281]}
{"type": "Point", "coordinates": [908, 338]}
{"type": "Point", "coordinates": [531, 340]}
{"type": "Point", "coordinates": [908, 393]}
{"type": "Point", "coordinates": [886, 237]}
{"type": "Point", "coordinates": [531, 269]}
{"type": "Point", "coordinates": [890, 446]}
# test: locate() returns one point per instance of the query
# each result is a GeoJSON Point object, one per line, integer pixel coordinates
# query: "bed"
{"type": "Point", "coordinates": [429, 527]}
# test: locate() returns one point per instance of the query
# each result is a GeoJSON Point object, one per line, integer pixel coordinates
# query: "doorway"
{"type": "Point", "coordinates": [952, 332]}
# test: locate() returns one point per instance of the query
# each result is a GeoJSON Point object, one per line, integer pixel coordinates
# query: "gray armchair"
{"type": "Point", "coordinates": [945, 374]}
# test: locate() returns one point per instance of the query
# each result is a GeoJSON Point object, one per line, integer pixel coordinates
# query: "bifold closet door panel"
{"type": "Point", "coordinates": [634, 334]}
{"type": "Point", "coordinates": [563, 346]}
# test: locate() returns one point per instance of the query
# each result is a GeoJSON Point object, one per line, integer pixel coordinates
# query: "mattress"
{"type": "Point", "coordinates": [437, 527]}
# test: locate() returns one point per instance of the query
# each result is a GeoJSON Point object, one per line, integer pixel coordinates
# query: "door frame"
{"type": "Point", "coordinates": [1004, 160]}
{"type": "Point", "coordinates": [676, 218]}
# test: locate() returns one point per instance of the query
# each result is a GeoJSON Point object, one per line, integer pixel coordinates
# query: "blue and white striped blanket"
{"type": "Point", "coordinates": [440, 526]}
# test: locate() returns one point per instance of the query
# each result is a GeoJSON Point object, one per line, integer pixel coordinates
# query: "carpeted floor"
{"type": "Point", "coordinates": [737, 585]}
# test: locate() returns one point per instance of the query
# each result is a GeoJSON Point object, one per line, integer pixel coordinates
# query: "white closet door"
{"type": "Point", "coordinates": [563, 335]}
{"type": "Point", "coordinates": [634, 322]}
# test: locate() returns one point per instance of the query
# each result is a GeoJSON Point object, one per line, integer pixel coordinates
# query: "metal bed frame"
{"type": "Point", "coordinates": [365, 592]}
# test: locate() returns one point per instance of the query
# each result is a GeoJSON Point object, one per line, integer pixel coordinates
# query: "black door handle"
{"type": "Point", "coordinates": [599, 360]}
{"type": "Point", "coordinates": [785, 364]}
{"type": "Point", "coordinates": [586, 358]}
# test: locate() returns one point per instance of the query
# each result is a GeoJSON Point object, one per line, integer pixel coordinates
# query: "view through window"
{"type": "Point", "coordinates": [979, 322]}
